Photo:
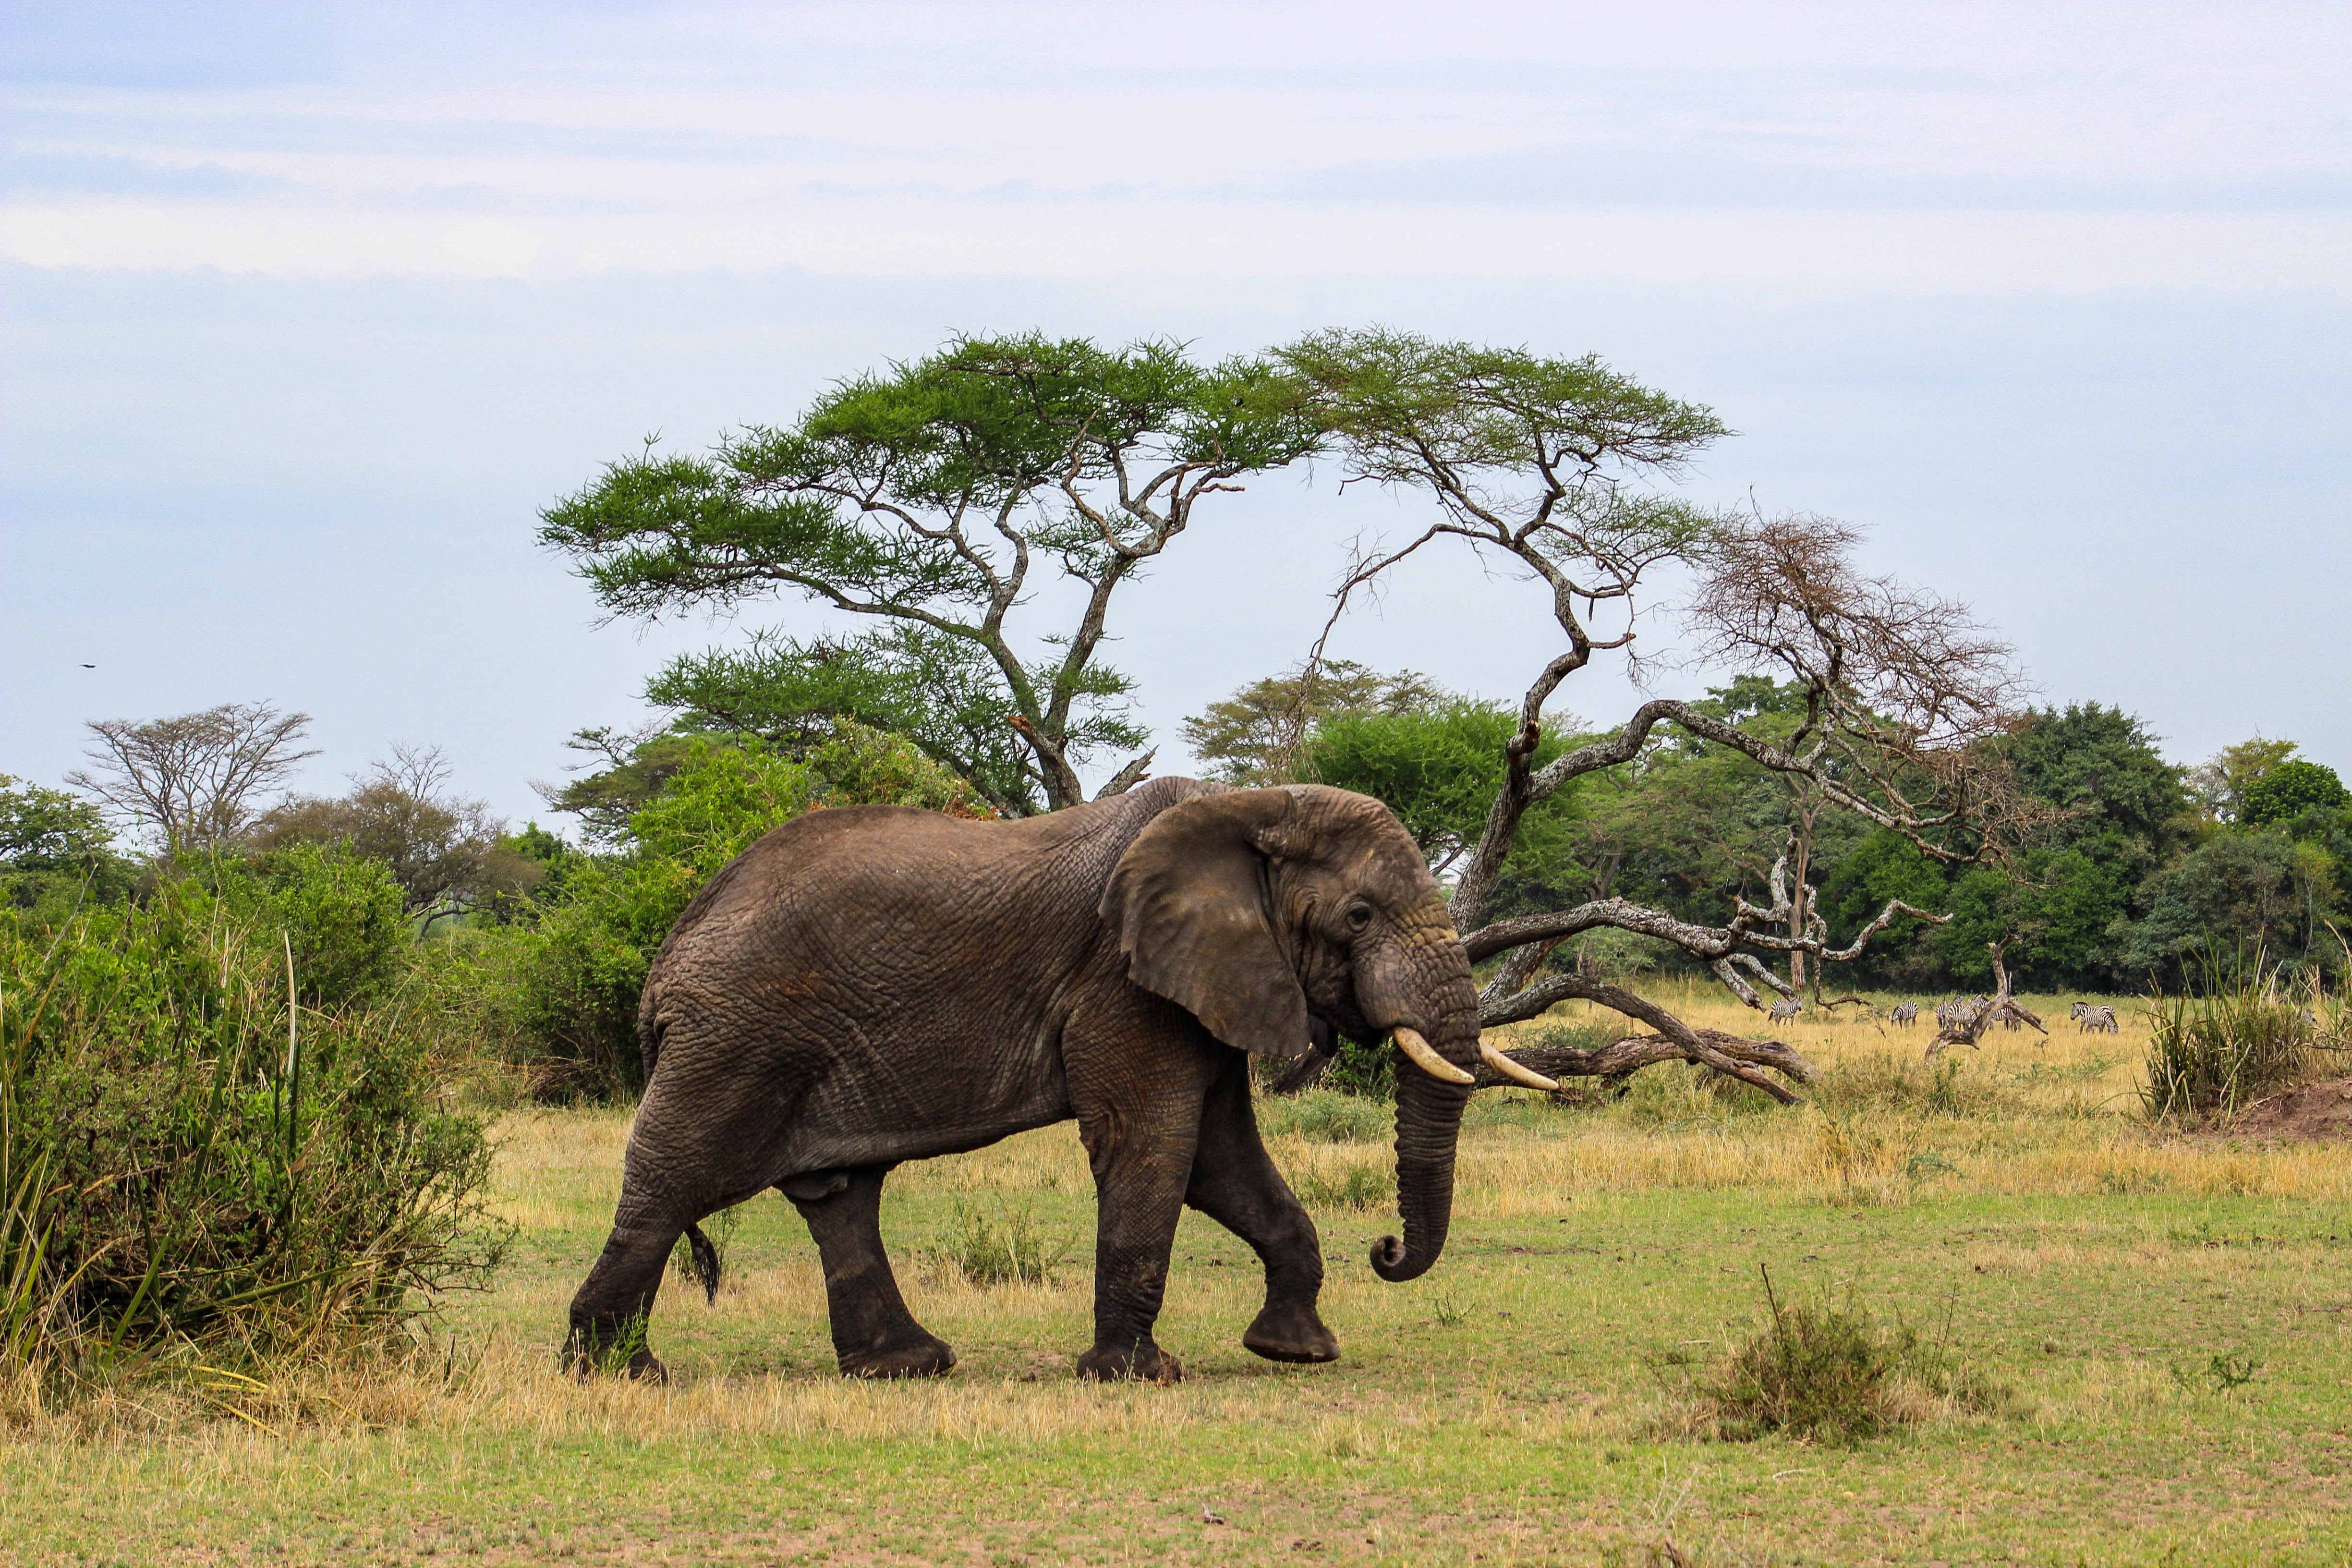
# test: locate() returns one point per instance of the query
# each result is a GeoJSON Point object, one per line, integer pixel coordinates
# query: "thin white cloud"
{"type": "Point", "coordinates": [1938, 148]}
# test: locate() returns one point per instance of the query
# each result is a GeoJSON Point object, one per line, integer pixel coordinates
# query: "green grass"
{"type": "Point", "coordinates": [2165, 1321]}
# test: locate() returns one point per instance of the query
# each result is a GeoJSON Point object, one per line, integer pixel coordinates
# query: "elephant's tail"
{"type": "Point", "coordinates": [649, 1031]}
{"type": "Point", "coordinates": [706, 1261]}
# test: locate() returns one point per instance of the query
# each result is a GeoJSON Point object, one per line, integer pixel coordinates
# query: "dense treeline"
{"type": "Point", "coordinates": [2138, 868]}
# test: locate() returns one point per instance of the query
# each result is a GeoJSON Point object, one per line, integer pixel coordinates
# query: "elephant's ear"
{"type": "Point", "coordinates": [1187, 904]}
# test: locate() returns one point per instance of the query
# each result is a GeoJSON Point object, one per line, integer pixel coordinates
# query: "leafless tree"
{"type": "Point", "coordinates": [1535, 464]}
{"type": "Point", "coordinates": [196, 780]}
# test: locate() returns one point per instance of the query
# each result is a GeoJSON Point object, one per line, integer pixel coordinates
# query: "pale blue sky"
{"type": "Point", "coordinates": [309, 308]}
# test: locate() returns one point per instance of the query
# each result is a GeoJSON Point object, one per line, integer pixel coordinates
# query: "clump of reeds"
{"type": "Point", "coordinates": [2239, 1035]}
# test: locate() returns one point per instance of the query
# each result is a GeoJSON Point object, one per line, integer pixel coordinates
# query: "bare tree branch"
{"type": "Point", "coordinates": [197, 779]}
{"type": "Point", "coordinates": [1531, 458]}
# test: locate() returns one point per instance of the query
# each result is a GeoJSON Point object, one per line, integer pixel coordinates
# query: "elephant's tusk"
{"type": "Point", "coordinates": [1513, 1071]}
{"type": "Point", "coordinates": [1428, 1060]}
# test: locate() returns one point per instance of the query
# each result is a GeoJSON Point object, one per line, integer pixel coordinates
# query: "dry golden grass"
{"type": "Point", "coordinates": [2037, 1115]}
{"type": "Point", "coordinates": [2090, 1266]}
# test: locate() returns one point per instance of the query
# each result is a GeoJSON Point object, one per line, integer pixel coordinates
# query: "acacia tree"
{"type": "Point", "coordinates": [194, 780]}
{"type": "Point", "coordinates": [926, 499]}
{"type": "Point", "coordinates": [1545, 464]}
{"type": "Point", "coordinates": [1256, 737]}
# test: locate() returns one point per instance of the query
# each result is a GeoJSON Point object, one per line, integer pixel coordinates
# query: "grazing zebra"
{"type": "Point", "coordinates": [2096, 1019]}
{"type": "Point", "coordinates": [1786, 1008]}
{"type": "Point", "coordinates": [1905, 1013]}
{"type": "Point", "coordinates": [1956, 1013]}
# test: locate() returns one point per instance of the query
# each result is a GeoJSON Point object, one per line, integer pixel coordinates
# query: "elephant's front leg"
{"type": "Point", "coordinates": [1234, 1183]}
{"type": "Point", "coordinates": [873, 1334]}
{"type": "Point", "coordinates": [1140, 1139]}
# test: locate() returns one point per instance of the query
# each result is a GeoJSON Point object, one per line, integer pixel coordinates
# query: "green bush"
{"type": "Point", "coordinates": [55, 852]}
{"type": "Point", "coordinates": [2289, 790]}
{"type": "Point", "coordinates": [343, 915]}
{"type": "Point", "coordinates": [1835, 1375]}
{"type": "Point", "coordinates": [174, 1168]}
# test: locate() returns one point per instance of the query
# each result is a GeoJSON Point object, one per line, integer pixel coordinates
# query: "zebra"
{"type": "Point", "coordinates": [1905, 1013]}
{"type": "Point", "coordinates": [1956, 1013]}
{"type": "Point", "coordinates": [1786, 1008]}
{"type": "Point", "coordinates": [2096, 1019]}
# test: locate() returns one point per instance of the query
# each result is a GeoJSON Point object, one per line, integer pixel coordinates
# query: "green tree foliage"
{"type": "Point", "coordinates": [1255, 737]}
{"type": "Point", "coordinates": [2289, 790]}
{"type": "Point", "coordinates": [2255, 891]}
{"type": "Point", "coordinates": [2220, 783]}
{"type": "Point", "coordinates": [924, 498]}
{"type": "Point", "coordinates": [1885, 865]}
{"type": "Point", "coordinates": [446, 851]}
{"type": "Point", "coordinates": [2121, 802]}
{"type": "Point", "coordinates": [55, 850]}
{"type": "Point", "coordinates": [2120, 811]}
{"type": "Point", "coordinates": [1437, 769]}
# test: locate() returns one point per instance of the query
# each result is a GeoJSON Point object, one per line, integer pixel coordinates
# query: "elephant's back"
{"type": "Point", "coordinates": [889, 921]}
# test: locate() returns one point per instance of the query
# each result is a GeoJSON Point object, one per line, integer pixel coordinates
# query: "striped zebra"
{"type": "Point", "coordinates": [1786, 1008]}
{"type": "Point", "coordinates": [1905, 1013]}
{"type": "Point", "coordinates": [1958, 1012]}
{"type": "Point", "coordinates": [2098, 1019]}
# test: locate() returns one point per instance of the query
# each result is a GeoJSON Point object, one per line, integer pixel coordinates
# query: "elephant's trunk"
{"type": "Point", "coordinates": [1429, 1121]}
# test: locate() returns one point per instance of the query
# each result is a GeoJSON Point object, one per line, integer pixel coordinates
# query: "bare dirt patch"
{"type": "Point", "coordinates": [2311, 1112]}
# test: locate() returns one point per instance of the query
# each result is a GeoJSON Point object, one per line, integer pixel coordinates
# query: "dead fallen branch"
{"type": "Point", "coordinates": [1621, 1057]}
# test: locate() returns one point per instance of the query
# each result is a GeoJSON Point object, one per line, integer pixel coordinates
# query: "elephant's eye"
{"type": "Point", "coordinates": [1358, 918]}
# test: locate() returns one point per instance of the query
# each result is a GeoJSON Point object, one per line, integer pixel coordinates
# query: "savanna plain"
{"type": "Point", "coordinates": [2146, 1329]}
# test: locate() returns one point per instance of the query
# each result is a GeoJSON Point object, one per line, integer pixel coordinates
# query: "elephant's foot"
{"type": "Point", "coordinates": [926, 1357]}
{"type": "Point", "coordinates": [1290, 1331]}
{"type": "Point", "coordinates": [1142, 1362]}
{"type": "Point", "coordinates": [587, 1353]}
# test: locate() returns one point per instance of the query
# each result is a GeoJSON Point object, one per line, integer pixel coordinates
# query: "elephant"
{"type": "Point", "coordinates": [871, 985]}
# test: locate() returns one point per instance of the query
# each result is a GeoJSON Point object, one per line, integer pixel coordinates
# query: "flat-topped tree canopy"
{"type": "Point", "coordinates": [925, 495]}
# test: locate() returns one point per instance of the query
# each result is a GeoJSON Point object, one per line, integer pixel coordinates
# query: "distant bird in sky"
{"type": "Point", "coordinates": [89, 667]}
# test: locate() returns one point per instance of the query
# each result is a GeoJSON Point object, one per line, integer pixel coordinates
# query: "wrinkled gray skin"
{"type": "Point", "coordinates": [876, 984]}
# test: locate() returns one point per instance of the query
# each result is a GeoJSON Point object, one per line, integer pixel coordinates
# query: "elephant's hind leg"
{"type": "Point", "coordinates": [1234, 1183]}
{"type": "Point", "coordinates": [613, 1306]}
{"type": "Point", "coordinates": [874, 1336]}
